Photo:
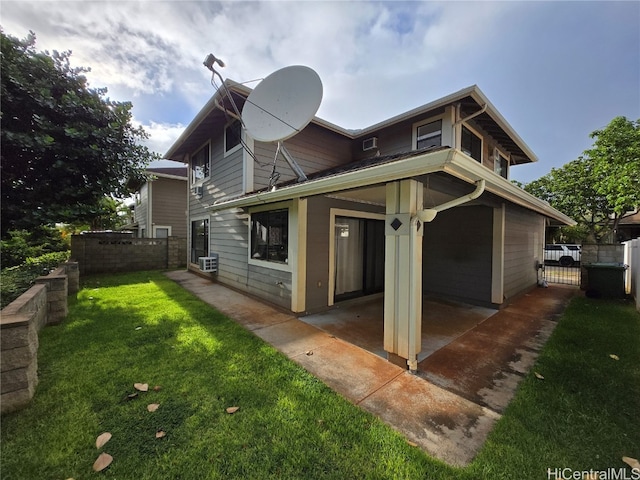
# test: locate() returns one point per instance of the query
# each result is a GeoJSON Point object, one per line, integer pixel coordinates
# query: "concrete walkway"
{"type": "Point", "coordinates": [437, 409]}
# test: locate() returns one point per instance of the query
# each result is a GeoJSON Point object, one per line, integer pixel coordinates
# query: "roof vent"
{"type": "Point", "coordinates": [369, 144]}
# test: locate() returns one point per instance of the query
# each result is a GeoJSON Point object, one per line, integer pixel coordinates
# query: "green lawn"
{"type": "Point", "coordinates": [143, 328]}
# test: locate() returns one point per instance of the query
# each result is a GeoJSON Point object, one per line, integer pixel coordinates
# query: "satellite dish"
{"type": "Point", "coordinates": [282, 104]}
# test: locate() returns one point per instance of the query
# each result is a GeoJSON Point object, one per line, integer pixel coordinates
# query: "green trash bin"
{"type": "Point", "coordinates": [605, 280]}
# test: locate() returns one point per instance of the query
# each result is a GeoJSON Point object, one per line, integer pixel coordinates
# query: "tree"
{"type": "Point", "coordinates": [65, 146]}
{"type": "Point", "coordinates": [602, 186]}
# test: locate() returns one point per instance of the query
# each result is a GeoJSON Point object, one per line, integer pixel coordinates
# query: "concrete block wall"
{"type": "Point", "coordinates": [45, 303]}
{"type": "Point", "coordinates": [113, 252]}
{"type": "Point", "coordinates": [613, 253]}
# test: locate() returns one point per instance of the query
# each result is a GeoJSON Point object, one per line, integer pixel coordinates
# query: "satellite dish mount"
{"type": "Point", "coordinates": [281, 106]}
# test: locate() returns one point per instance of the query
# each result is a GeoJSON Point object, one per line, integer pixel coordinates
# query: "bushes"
{"type": "Point", "coordinates": [14, 281]}
{"type": "Point", "coordinates": [19, 245]}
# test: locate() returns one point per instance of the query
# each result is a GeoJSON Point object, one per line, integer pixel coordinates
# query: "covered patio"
{"type": "Point", "coordinates": [361, 322]}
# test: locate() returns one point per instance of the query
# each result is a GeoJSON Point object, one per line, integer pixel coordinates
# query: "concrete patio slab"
{"type": "Point", "coordinates": [448, 409]}
{"type": "Point", "coordinates": [447, 426]}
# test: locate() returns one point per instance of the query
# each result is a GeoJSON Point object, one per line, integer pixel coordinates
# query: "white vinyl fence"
{"type": "Point", "coordinates": [632, 258]}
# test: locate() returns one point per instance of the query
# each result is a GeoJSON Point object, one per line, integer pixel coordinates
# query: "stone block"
{"type": "Point", "coordinates": [20, 378]}
{"type": "Point", "coordinates": [16, 400]}
{"type": "Point", "coordinates": [20, 357]}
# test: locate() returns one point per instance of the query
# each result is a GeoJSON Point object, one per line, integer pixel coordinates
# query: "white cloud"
{"type": "Point", "coordinates": [161, 135]}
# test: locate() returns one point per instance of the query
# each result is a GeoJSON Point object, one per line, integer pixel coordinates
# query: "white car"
{"type": "Point", "coordinates": [565, 255]}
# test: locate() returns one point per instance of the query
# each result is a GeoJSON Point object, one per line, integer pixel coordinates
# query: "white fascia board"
{"type": "Point", "coordinates": [467, 169]}
{"type": "Point", "coordinates": [386, 172]}
{"type": "Point", "coordinates": [502, 123]}
{"type": "Point", "coordinates": [165, 175]}
{"type": "Point", "coordinates": [448, 161]}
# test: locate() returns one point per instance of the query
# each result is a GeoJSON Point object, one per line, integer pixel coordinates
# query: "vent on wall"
{"type": "Point", "coordinates": [370, 144]}
{"type": "Point", "coordinates": [197, 191]}
{"type": "Point", "coordinates": [208, 264]}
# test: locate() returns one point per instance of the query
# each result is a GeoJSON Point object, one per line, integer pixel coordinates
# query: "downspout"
{"type": "Point", "coordinates": [428, 214]}
{"type": "Point", "coordinates": [469, 117]}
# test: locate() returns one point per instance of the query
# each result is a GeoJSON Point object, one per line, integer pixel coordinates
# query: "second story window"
{"type": "Point", "coordinates": [429, 135]}
{"type": "Point", "coordinates": [232, 136]}
{"type": "Point", "coordinates": [471, 144]}
{"type": "Point", "coordinates": [500, 164]}
{"type": "Point", "coordinates": [200, 165]}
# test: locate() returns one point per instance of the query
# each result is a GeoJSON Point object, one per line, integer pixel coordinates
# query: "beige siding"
{"type": "Point", "coordinates": [318, 246]}
{"type": "Point", "coordinates": [170, 205]}
{"type": "Point", "coordinates": [523, 248]}
{"type": "Point", "coordinates": [457, 249]}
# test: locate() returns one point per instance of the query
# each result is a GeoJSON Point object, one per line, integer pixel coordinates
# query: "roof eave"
{"type": "Point", "coordinates": [449, 161]}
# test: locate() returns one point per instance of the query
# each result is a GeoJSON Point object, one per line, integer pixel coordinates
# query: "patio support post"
{"type": "Point", "coordinates": [403, 273]}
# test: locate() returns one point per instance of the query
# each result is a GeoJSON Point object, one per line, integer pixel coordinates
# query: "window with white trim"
{"type": "Point", "coordinates": [429, 135]}
{"type": "Point", "coordinates": [199, 239]}
{"type": "Point", "coordinates": [232, 136]}
{"type": "Point", "coordinates": [471, 144]}
{"type": "Point", "coordinates": [161, 232]}
{"type": "Point", "coordinates": [500, 164]}
{"type": "Point", "coordinates": [200, 165]}
{"type": "Point", "coordinates": [270, 236]}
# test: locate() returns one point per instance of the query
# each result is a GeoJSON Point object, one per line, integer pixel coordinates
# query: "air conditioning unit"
{"type": "Point", "coordinates": [369, 144]}
{"type": "Point", "coordinates": [208, 264]}
{"type": "Point", "coordinates": [197, 191]}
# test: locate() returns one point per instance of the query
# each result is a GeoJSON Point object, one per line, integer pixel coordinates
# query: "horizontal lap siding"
{"type": "Point", "coordinates": [318, 212]}
{"type": "Point", "coordinates": [170, 205]}
{"type": "Point", "coordinates": [523, 248]}
{"type": "Point", "coordinates": [457, 252]}
{"type": "Point", "coordinates": [314, 149]}
{"type": "Point", "coordinates": [229, 234]}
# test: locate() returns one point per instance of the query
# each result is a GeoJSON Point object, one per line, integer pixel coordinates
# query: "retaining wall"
{"type": "Point", "coordinates": [45, 303]}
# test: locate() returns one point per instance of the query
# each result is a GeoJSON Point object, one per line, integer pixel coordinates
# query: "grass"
{"type": "Point", "coordinates": [583, 415]}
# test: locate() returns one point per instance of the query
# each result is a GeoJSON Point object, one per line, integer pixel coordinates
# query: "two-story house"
{"type": "Point", "coordinates": [419, 204]}
{"type": "Point", "coordinates": [160, 208]}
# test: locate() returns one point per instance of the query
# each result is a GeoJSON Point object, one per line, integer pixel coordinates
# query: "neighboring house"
{"type": "Point", "coordinates": [161, 204]}
{"type": "Point", "coordinates": [363, 222]}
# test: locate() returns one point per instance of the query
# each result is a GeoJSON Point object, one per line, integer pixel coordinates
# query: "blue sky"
{"type": "Point", "coordinates": [555, 70]}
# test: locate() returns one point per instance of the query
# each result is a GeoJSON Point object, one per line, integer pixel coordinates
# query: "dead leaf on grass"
{"type": "Point", "coordinates": [614, 356]}
{"type": "Point", "coordinates": [102, 462]}
{"type": "Point", "coordinates": [157, 388]}
{"type": "Point", "coordinates": [143, 387]}
{"type": "Point", "coordinates": [632, 462]}
{"type": "Point", "coordinates": [152, 407]}
{"type": "Point", "coordinates": [231, 410]}
{"type": "Point", "coordinates": [160, 433]}
{"type": "Point", "coordinates": [138, 328]}
{"type": "Point", "coordinates": [102, 439]}
{"type": "Point", "coordinates": [131, 396]}
{"type": "Point", "coordinates": [412, 444]}
{"type": "Point", "coordinates": [538, 376]}
{"type": "Point", "coordinates": [309, 352]}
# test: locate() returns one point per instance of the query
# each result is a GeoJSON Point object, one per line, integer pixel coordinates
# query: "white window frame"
{"type": "Point", "coordinates": [477, 134]}
{"type": "Point", "coordinates": [224, 139]}
{"type": "Point", "coordinates": [339, 212]}
{"type": "Point", "coordinates": [200, 181]}
{"type": "Point", "coordinates": [156, 227]}
{"type": "Point", "coordinates": [414, 129]}
{"type": "Point", "coordinates": [190, 235]}
{"type": "Point", "coordinates": [507, 157]}
{"type": "Point", "coordinates": [283, 267]}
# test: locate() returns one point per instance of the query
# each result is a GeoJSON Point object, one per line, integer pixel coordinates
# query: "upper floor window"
{"type": "Point", "coordinates": [232, 136]}
{"type": "Point", "coordinates": [200, 165]}
{"type": "Point", "coordinates": [471, 144]}
{"type": "Point", "coordinates": [500, 164]}
{"type": "Point", "coordinates": [429, 135]}
{"type": "Point", "coordinates": [270, 236]}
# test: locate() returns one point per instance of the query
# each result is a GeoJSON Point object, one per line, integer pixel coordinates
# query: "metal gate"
{"type": "Point", "coordinates": [562, 263]}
